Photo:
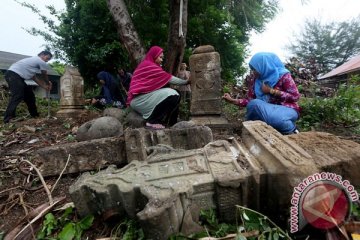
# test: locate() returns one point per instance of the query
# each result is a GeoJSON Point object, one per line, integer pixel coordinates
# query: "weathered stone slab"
{"type": "Point", "coordinates": [284, 163]}
{"type": "Point", "coordinates": [275, 153]}
{"type": "Point", "coordinates": [160, 191]}
{"type": "Point", "coordinates": [85, 156]}
{"type": "Point", "coordinates": [140, 141]}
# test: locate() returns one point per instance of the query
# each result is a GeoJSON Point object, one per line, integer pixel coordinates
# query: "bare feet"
{"type": "Point", "coordinates": [154, 126]}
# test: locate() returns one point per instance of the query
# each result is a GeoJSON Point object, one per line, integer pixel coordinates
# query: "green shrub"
{"type": "Point", "coordinates": [64, 227]}
{"type": "Point", "coordinates": [342, 109]}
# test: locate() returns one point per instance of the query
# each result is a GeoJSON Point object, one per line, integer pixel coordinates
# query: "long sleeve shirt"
{"type": "Point", "coordinates": [289, 94]}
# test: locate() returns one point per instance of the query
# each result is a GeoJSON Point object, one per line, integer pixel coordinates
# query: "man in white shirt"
{"type": "Point", "coordinates": [16, 75]}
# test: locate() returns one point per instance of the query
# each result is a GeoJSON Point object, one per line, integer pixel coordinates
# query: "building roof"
{"type": "Point", "coordinates": [350, 66]}
{"type": "Point", "coordinates": [8, 58]}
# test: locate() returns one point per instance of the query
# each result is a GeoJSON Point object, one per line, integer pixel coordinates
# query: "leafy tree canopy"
{"type": "Point", "coordinates": [328, 45]}
{"type": "Point", "coordinates": [226, 25]}
{"type": "Point", "coordinates": [86, 35]}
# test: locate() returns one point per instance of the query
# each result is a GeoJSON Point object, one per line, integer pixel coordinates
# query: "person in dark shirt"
{"type": "Point", "coordinates": [110, 94]}
{"type": "Point", "coordinates": [125, 78]}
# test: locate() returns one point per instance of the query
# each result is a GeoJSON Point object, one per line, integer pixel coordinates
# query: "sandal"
{"type": "Point", "coordinates": [154, 126]}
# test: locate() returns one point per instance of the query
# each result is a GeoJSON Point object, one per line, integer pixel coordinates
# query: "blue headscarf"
{"type": "Point", "coordinates": [270, 69]}
{"type": "Point", "coordinates": [106, 88]}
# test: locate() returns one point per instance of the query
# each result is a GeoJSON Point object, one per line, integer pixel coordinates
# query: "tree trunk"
{"type": "Point", "coordinates": [126, 30]}
{"type": "Point", "coordinates": [176, 40]}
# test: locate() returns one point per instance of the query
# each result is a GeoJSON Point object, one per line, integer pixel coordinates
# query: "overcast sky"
{"type": "Point", "coordinates": [14, 18]}
{"type": "Point", "coordinates": [280, 30]}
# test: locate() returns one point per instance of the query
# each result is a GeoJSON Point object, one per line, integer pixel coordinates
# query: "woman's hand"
{"type": "Point", "coordinates": [227, 97]}
{"type": "Point", "coordinates": [265, 88]}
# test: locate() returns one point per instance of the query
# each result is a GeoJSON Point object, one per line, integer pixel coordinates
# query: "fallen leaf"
{"type": "Point", "coordinates": [30, 129]}
{"type": "Point", "coordinates": [21, 151]}
{"type": "Point", "coordinates": [11, 142]}
{"type": "Point", "coordinates": [33, 141]}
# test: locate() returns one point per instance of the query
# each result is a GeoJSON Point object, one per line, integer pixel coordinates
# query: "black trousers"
{"type": "Point", "coordinates": [166, 112]}
{"type": "Point", "coordinates": [19, 92]}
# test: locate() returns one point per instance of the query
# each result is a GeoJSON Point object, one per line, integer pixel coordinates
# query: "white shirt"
{"type": "Point", "coordinates": [28, 67]}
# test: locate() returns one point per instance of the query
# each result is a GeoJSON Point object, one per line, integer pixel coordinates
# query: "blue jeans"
{"type": "Point", "coordinates": [279, 117]}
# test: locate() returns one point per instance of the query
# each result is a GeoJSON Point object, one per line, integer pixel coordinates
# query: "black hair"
{"type": "Point", "coordinates": [48, 53]}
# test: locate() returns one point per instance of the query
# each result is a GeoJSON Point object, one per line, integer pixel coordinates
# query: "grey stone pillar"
{"type": "Point", "coordinates": [206, 87]}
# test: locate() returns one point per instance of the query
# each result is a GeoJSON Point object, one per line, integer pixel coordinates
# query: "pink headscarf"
{"type": "Point", "coordinates": [148, 76]}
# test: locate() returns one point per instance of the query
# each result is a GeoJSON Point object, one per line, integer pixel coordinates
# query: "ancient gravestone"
{"type": "Point", "coordinates": [71, 93]}
{"type": "Point", "coordinates": [166, 192]}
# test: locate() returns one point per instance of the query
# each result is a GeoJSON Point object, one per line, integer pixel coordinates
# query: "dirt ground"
{"type": "Point", "coordinates": [21, 192]}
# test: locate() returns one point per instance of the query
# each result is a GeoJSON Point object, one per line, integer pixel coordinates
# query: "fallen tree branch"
{"type": "Point", "coordinates": [57, 180]}
{"type": "Point", "coordinates": [9, 189]}
{"type": "Point", "coordinates": [51, 201]}
{"type": "Point", "coordinates": [36, 214]}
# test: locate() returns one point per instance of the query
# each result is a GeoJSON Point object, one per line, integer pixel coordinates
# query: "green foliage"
{"type": "Point", "coordinates": [64, 228]}
{"type": "Point", "coordinates": [127, 230]}
{"type": "Point", "coordinates": [42, 105]}
{"type": "Point", "coordinates": [328, 45]}
{"type": "Point", "coordinates": [342, 109]}
{"type": "Point", "coordinates": [2, 77]}
{"type": "Point", "coordinates": [211, 226]}
{"type": "Point", "coordinates": [184, 111]}
{"type": "Point", "coordinates": [355, 211]}
{"type": "Point", "coordinates": [93, 91]}
{"type": "Point", "coordinates": [58, 67]}
{"type": "Point", "coordinates": [155, 12]}
{"type": "Point", "coordinates": [230, 109]}
{"type": "Point", "coordinates": [254, 225]}
{"type": "Point", "coordinates": [86, 35]}
{"type": "Point", "coordinates": [67, 125]}
{"type": "Point", "coordinates": [253, 220]}
{"type": "Point", "coordinates": [70, 138]}
{"type": "Point", "coordinates": [226, 25]}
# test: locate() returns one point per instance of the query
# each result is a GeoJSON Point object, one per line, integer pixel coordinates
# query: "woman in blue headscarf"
{"type": "Point", "coordinates": [272, 96]}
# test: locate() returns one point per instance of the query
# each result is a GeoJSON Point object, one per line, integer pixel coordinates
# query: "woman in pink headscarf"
{"type": "Point", "coordinates": [149, 95]}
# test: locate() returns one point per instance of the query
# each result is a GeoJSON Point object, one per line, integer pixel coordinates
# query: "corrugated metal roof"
{"type": "Point", "coordinates": [350, 66]}
{"type": "Point", "coordinates": [7, 58]}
